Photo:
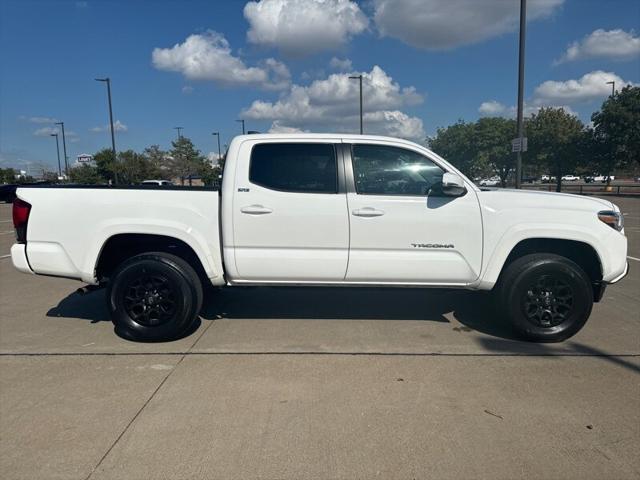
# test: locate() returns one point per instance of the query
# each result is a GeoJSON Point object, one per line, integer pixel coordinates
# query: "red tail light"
{"type": "Point", "coordinates": [21, 210]}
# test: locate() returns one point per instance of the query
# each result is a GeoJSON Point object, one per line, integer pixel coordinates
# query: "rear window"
{"type": "Point", "coordinates": [295, 167]}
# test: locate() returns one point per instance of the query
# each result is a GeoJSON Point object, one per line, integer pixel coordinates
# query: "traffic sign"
{"type": "Point", "coordinates": [519, 146]}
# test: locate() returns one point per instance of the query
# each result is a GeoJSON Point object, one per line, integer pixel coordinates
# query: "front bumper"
{"type": "Point", "coordinates": [621, 276]}
{"type": "Point", "coordinates": [19, 258]}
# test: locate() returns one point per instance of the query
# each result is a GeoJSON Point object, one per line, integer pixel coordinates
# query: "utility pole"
{"type": "Point", "coordinates": [64, 149]}
{"type": "Point", "coordinates": [523, 26]}
{"type": "Point", "coordinates": [241, 121]}
{"type": "Point", "coordinates": [179, 129]}
{"type": "Point", "coordinates": [613, 87]}
{"type": "Point", "coordinates": [107, 80]}
{"type": "Point", "coordinates": [359, 77]}
{"type": "Point", "coordinates": [217, 134]}
{"type": "Point", "coordinates": [58, 152]}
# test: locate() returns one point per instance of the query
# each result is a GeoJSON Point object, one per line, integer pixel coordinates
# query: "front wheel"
{"type": "Point", "coordinates": [154, 297]}
{"type": "Point", "coordinates": [546, 297]}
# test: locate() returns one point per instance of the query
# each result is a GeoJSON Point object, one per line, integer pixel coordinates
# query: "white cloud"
{"type": "Point", "coordinates": [276, 127]}
{"type": "Point", "coordinates": [446, 24]}
{"type": "Point", "coordinates": [187, 89]}
{"type": "Point", "coordinates": [118, 126]}
{"type": "Point", "coordinates": [331, 104]}
{"type": "Point", "coordinates": [303, 27]}
{"type": "Point", "coordinates": [340, 64]}
{"type": "Point", "coordinates": [208, 57]}
{"type": "Point", "coordinates": [492, 108]}
{"type": "Point", "coordinates": [589, 87]}
{"type": "Point", "coordinates": [613, 44]}
{"type": "Point", "coordinates": [46, 131]}
{"type": "Point", "coordinates": [39, 119]}
{"type": "Point", "coordinates": [70, 135]}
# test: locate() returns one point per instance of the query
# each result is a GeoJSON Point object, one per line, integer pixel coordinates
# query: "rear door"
{"type": "Point", "coordinates": [403, 230]}
{"type": "Point", "coordinates": [290, 217]}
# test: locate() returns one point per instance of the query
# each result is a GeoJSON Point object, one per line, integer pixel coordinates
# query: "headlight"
{"type": "Point", "coordinates": [611, 218]}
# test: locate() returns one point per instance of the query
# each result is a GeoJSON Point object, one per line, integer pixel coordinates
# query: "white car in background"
{"type": "Point", "coordinates": [570, 178]}
{"type": "Point", "coordinates": [490, 182]}
{"type": "Point", "coordinates": [158, 183]}
{"type": "Point", "coordinates": [603, 178]}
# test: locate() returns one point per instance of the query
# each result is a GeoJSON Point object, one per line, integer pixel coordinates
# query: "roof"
{"type": "Point", "coordinates": [306, 135]}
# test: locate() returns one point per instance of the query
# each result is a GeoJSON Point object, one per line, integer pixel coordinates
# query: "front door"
{"type": "Point", "coordinates": [403, 230]}
{"type": "Point", "coordinates": [290, 222]}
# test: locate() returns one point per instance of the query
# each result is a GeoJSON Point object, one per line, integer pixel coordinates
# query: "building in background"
{"type": "Point", "coordinates": [84, 159]}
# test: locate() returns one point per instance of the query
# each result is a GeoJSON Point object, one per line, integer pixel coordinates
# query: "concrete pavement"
{"type": "Point", "coordinates": [316, 383]}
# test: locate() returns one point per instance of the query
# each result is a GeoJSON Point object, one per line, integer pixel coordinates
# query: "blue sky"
{"type": "Point", "coordinates": [283, 65]}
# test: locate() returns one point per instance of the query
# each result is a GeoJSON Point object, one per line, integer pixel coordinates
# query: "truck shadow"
{"type": "Point", "coordinates": [471, 309]}
{"type": "Point", "coordinates": [90, 306]}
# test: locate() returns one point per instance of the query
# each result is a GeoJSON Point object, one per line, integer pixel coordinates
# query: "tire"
{"type": "Point", "coordinates": [154, 297]}
{"type": "Point", "coordinates": [546, 297]}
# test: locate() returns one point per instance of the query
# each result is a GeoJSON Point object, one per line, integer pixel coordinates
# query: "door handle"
{"type": "Point", "coordinates": [367, 212]}
{"type": "Point", "coordinates": [256, 210]}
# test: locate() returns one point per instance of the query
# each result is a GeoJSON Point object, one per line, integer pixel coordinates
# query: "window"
{"type": "Point", "coordinates": [382, 170]}
{"type": "Point", "coordinates": [295, 167]}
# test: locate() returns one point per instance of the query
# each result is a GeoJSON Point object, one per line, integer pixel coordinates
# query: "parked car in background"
{"type": "Point", "coordinates": [490, 182]}
{"type": "Point", "coordinates": [603, 178]}
{"type": "Point", "coordinates": [8, 192]}
{"type": "Point", "coordinates": [529, 179]}
{"type": "Point", "coordinates": [570, 178]}
{"type": "Point", "coordinates": [159, 183]}
{"type": "Point", "coordinates": [325, 209]}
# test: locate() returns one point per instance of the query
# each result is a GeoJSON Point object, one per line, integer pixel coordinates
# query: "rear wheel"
{"type": "Point", "coordinates": [154, 297]}
{"type": "Point", "coordinates": [546, 297]}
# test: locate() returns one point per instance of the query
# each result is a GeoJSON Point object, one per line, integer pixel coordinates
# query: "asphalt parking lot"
{"type": "Point", "coordinates": [289, 383]}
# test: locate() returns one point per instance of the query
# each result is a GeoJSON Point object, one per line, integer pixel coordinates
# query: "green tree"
{"type": "Point", "coordinates": [555, 140]}
{"type": "Point", "coordinates": [455, 144]}
{"type": "Point", "coordinates": [85, 174]}
{"type": "Point", "coordinates": [616, 131]}
{"type": "Point", "coordinates": [159, 163]}
{"type": "Point", "coordinates": [187, 160]}
{"type": "Point", "coordinates": [105, 164]}
{"type": "Point", "coordinates": [133, 168]}
{"type": "Point", "coordinates": [478, 149]}
{"type": "Point", "coordinates": [492, 142]}
{"type": "Point", "coordinates": [7, 175]}
{"type": "Point", "coordinates": [50, 177]}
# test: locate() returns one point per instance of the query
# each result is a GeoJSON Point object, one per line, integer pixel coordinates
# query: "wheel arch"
{"type": "Point", "coordinates": [120, 247]}
{"type": "Point", "coordinates": [581, 253]}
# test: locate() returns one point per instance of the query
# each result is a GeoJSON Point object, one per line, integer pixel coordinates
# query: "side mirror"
{"type": "Point", "coordinates": [453, 185]}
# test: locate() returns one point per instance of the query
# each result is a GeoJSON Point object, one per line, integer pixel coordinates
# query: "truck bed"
{"type": "Point", "coordinates": [69, 225]}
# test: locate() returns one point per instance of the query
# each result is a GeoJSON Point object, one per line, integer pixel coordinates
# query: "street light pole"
{"type": "Point", "coordinates": [359, 77]}
{"type": "Point", "coordinates": [64, 149]}
{"type": "Point", "coordinates": [179, 129]}
{"type": "Point", "coordinates": [217, 134]}
{"type": "Point", "coordinates": [58, 153]}
{"type": "Point", "coordinates": [241, 121]}
{"type": "Point", "coordinates": [523, 26]}
{"type": "Point", "coordinates": [613, 87]}
{"type": "Point", "coordinates": [107, 80]}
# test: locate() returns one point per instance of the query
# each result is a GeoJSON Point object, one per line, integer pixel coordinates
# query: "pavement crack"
{"type": "Point", "coordinates": [189, 353]}
{"type": "Point", "coordinates": [141, 409]}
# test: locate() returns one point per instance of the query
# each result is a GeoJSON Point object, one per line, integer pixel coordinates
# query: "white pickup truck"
{"type": "Point", "coordinates": [321, 209]}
